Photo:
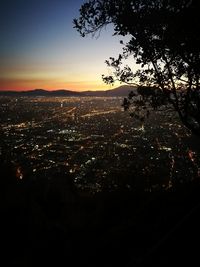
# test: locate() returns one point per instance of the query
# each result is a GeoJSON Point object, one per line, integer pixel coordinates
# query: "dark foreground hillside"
{"type": "Point", "coordinates": [50, 222]}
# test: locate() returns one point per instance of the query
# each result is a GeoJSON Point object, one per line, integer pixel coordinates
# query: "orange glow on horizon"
{"type": "Point", "coordinates": [19, 85]}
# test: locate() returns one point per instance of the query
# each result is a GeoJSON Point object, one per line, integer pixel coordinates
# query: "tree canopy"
{"type": "Point", "coordinates": [165, 44]}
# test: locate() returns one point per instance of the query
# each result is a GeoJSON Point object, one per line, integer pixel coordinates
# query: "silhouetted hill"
{"type": "Point", "coordinates": [41, 92]}
{"type": "Point", "coordinates": [123, 90]}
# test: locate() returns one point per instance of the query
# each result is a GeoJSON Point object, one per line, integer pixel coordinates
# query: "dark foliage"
{"type": "Point", "coordinates": [164, 41]}
{"type": "Point", "coordinates": [49, 222]}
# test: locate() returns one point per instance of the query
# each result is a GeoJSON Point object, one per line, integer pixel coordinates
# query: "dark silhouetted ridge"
{"type": "Point", "coordinates": [123, 90]}
{"type": "Point", "coordinates": [41, 92]}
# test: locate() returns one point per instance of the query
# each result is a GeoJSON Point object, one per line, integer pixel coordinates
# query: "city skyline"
{"type": "Point", "coordinates": [41, 49]}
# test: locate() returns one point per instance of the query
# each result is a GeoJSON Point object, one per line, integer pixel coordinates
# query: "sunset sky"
{"type": "Point", "coordinates": [40, 49]}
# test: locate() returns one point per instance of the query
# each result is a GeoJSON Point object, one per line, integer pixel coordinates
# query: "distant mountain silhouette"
{"type": "Point", "coordinates": [123, 90]}
{"type": "Point", "coordinates": [41, 92]}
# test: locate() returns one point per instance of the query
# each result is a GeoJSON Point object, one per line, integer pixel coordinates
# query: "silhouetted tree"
{"type": "Point", "coordinates": [164, 41]}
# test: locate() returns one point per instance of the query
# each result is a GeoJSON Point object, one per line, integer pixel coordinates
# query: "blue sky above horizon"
{"type": "Point", "coordinates": [41, 49]}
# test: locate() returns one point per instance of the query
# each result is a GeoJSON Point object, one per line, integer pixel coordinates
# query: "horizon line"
{"type": "Point", "coordinates": [50, 90]}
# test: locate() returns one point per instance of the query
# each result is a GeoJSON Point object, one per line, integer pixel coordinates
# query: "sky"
{"type": "Point", "coordinates": [39, 47]}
